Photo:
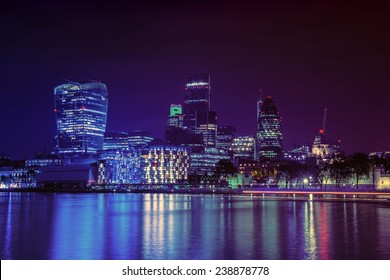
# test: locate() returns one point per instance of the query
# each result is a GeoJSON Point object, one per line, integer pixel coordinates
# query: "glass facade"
{"type": "Point", "coordinates": [225, 135]}
{"type": "Point", "coordinates": [196, 101]}
{"type": "Point", "coordinates": [81, 116]}
{"type": "Point", "coordinates": [269, 140]}
{"type": "Point", "coordinates": [119, 167]}
{"type": "Point", "coordinates": [139, 139]}
{"type": "Point", "coordinates": [116, 140]}
{"type": "Point", "coordinates": [205, 159]}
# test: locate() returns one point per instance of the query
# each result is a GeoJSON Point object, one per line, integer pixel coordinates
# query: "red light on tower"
{"type": "Point", "coordinates": [55, 110]}
{"type": "Point", "coordinates": [322, 131]}
{"type": "Point", "coordinates": [83, 107]}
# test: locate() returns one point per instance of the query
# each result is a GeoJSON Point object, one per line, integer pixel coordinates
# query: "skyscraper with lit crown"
{"type": "Point", "coordinates": [81, 116]}
{"type": "Point", "coordinates": [269, 139]}
{"type": "Point", "coordinates": [196, 101]}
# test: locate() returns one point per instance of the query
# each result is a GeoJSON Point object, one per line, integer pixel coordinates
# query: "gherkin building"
{"type": "Point", "coordinates": [269, 139]}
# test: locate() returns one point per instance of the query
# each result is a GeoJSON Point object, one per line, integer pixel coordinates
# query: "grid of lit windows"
{"type": "Point", "coordinates": [116, 140]}
{"type": "Point", "coordinates": [119, 167]}
{"type": "Point", "coordinates": [205, 159]}
{"type": "Point", "coordinates": [164, 164]}
{"type": "Point", "coordinates": [243, 147]}
{"type": "Point", "coordinates": [269, 140]}
{"type": "Point", "coordinates": [81, 114]}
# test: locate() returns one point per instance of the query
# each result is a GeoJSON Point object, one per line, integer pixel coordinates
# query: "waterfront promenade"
{"type": "Point", "coordinates": [342, 194]}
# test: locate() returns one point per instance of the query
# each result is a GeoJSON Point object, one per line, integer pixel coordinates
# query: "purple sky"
{"type": "Point", "coordinates": [307, 56]}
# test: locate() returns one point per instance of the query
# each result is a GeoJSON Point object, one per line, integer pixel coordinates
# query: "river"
{"type": "Point", "coordinates": [176, 226]}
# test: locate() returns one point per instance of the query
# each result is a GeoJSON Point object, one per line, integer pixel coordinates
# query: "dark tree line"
{"type": "Point", "coordinates": [338, 169]}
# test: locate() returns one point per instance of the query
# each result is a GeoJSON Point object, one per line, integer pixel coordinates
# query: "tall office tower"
{"type": "Point", "coordinates": [196, 101]}
{"type": "Point", "coordinates": [175, 118]}
{"type": "Point", "coordinates": [225, 136]}
{"type": "Point", "coordinates": [209, 130]}
{"type": "Point", "coordinates": [81, 115]}
{"type": "Point", "coordinates": [269, 140]}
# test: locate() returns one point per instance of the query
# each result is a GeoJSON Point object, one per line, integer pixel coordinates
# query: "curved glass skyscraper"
{"type": "Point", "coordinates": [269, 139]}
{"type": "Point", "coordinates": [81, 115]}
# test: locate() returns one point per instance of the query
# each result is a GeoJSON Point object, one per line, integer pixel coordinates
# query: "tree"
{"type": "Point", "coordinates": [288, 170]}
{"type": "Point", "coordinates": [374, 162]}
{"type": "Point", "coordinates": [339, 170]}
{"type": "Point", "coordinates": [323, 174]}
{"type": "Point", "coordinates": [225, 167]}
{"type": "Point", "coordinates": [359, 166]}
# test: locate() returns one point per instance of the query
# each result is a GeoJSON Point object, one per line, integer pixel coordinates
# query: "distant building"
{"type": "Point", "coordinates": [38, 162]}
{"type": "Point", "coordinates": [209, 130]}
{"type": "Point", "coordinates": [204, 159]}
{"type": "Point", "coordinates": [114, 140]}
{"type": "Point", "coordinates": [175, 118]}
{"type": "Point", "coordinates": [225, 136]}
{"type": "Point", "coordinates": [175, 134]}
{"type": "Point", "coordinates": [325, 148]}
{"type": "Point", "coordinates": [243, 147]}
{"type": "Point", "coordinates": [299, 153]}
{"type": "Point", "coordinates": [139, 139]}
{"type": "Point", "coordinates": [269, 139]}
{"type": "Point", "coordinates": [81, 116]}
{"type": "Point", "coordinates": [196, 101]}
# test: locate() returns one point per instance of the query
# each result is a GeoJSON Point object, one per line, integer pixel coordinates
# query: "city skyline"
{"type": "Point", "coordinates": [307, 57]}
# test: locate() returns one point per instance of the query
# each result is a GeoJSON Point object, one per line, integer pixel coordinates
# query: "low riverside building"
{"type": "Point", "coordinates": [383, 182]}
{"type": "Point", "coordinates": [164, 165]}
{"type": "Point", "coordinates": [73, 176]}
{"type": "Point", "coordinates": [119, 167]}
{"type": "Point", "coordinates": [240, 180]}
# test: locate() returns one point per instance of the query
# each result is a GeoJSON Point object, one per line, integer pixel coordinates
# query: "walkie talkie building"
{"type": "Point", "coordinates": [81, 116]}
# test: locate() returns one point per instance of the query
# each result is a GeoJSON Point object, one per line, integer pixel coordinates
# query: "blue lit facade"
{"type": "Point", "coordinates": [139, 139]}
{"type": "Point", "coordinates": [119, 167]}
{"type": "Point", "coordinates": [164, 165]}
{"type": "Point", "coordinates": [116, 140]}
{"type": "Point", "coordinates": [81, 116]}
{"type": "Point", "coordinates": [269, 140]}
{"type": "Point", "coordinates": [205, 159]}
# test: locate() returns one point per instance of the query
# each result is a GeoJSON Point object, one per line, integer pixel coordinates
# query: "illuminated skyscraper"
{"type": "Point", "coordinates": [175, 118]}
{"type": "Point", "coordinates": [225, 136]}
{"type": "Point", "coordinates": [81, 115]}
{"type": "Point", "coordinates": [269, 140]}
{"type": "Point", "coordinates": [196, 101]}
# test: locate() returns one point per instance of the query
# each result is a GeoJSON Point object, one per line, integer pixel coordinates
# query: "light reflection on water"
{"type": "Point", "coordinates": [171, 226]}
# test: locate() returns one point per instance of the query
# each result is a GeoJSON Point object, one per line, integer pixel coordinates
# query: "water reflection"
{"type": "Point", "coordinates": [167, 226]}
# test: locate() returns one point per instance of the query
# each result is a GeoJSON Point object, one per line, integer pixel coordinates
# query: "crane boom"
{"type": "Point", "coordinates": [324, 120]}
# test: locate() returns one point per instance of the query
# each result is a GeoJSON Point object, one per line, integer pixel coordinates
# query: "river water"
{"type": "Point", "coordinates": [172, 226]}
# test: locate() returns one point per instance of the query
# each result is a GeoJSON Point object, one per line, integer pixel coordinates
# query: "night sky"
{"type": "Point", "coordinates": [307, 56]}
